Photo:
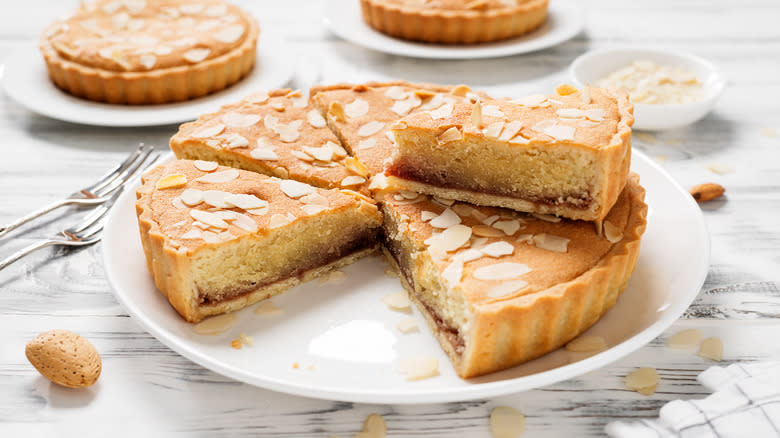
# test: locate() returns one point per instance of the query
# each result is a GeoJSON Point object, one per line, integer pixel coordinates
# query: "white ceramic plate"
{"type": "Point", "coordinates": [27, 82]}
{"type": "Point", "coordinates": [565, 20]}
{"type": "Point", "coordinates": [349, 338]}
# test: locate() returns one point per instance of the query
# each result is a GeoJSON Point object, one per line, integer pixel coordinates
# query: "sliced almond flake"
{"type": "Point", "coordinates": [352, 180]}
{"type": "Point", "coordinates": [443, 201]}
{"type": "Point", "coordinates": [200, 225]}
{"type": "Point", "coordinates": [192, 234]}
{"type": "Point", "coordinates": [544, 124]}
{"type": "Point", "coordinates": [595, 114]}
{"type": "Point", "coordinates": [476, 114]}
{"type": "Point", "coordinates": [570, 113]}
{"type": "Point", "coordinates": [240, 120]}
{"type": "Point", "coordinates": [315, 198]}
{"type": "Point", "coordinates": [506, 288]}
{"type": "Point", "coordinates": [546, 217]}
{"type": "Point", "coordinates": [407, 326]}
{"type": "Point", "coordinates": [354, 165]}
{"type": "Point", "coordinates": [258, 97]}
{"type": "Point", "coordinates": [428, 215]}
{"type": "Point", "coordinates": [435, 101]}
{"type": "Point", "coordinates": [501, 271]}
{"type": "Point", "coordinates": [171, 181]}
{"type": "Point", "coordinates": [487, 231]}
{"type": "Point", "coordinates": [555, 101]}
{"type": "Point", "coordinates": [551, 242]}
{"type": "Point", "coordinates": [612, 232]}
{"type": "Point", "coordinates": [490, 219]}
{"type": "Point", "coordinates": [506, 422]}
{"type": "Point", "coordinates": [468, 255]}
{"type": "Point", "coordinates": [642, 378]}
{"type": "Point", "coordinates": [494, 129]}
{"type": "Point", "coordinates": [686, 339]}
{"type": "Point", "coordinates": [463, 210]}
{"type": "Point", "coordinates": [179, 224]}
{"type": "Point", "coordinates": [498, 249]}
{"type": "Point", "coordinates": [191, 197]}
{"type": "Point", "coordinates": [510, 130]}
{"type": "Point", "coordinates": [219, 177]}
{"type": "Point", "coordinates": [367, 143]}
{"type": "Point", "coordinates": [162, 50]}
{"type": "Point", "coordinates": [398, 301]}
{"type": "Point", "coordinates": [419, 368]}
{"type": "Point", "coordinates": [270, 122]}
{"type": "Point", "coordinates": [311, 210]}
{"type": "Point", "coordinates": [336, 110]}
{"type": "Point", "coordinates": [390, 136]}
{"type": "Point", "coordinates": [230, 34]}
{"type": "Point", "coordinates": [267, 308]}
{"type": "Point", "coordinates": [585, 96]}
{"type": "Point", "coordinates": [442, 112]}
{"type": "Point", "coordinates": [396, 93]}
{"type": "Point", "coordinates": [216, 10]}
{"type": "Point", "coordinates": [587, 344]}
{"type": "Point", "coordinates": [711, 348]}
{"type": "Point", "coordinates": [209, 131]}
{"type": "Point", "coordinates": [768, 132]}
{"type": "Point", "coordinates": [338, 151]}
{"type": "Point", "coordinates": [236, 141]}
{"type": "Point", "coordinates": [719, 168]}
{"type": "Point", "coordinates": [245, 201]}
{"type": "Point", "coordinates": [560, 132]}
{"type": "Point", "coordinates": [205, 166]}
{"type": "Point", "coordinates": [288, 133]}
{"type": "Point", "coordinates": [279, 220]}
{"type": "Point", "coordinates": [509, 227]}
{"type": "Point", "coordinates": [147, 60]}
{"type": "Point", "coordinates": [258, 211]}
{"type": "Point", "coordinates": [446, 219]}
{"type": "Point", "coordinates": [531, 101]}
{"type": "Point", "coordinates": [209, 219]}
{"type": "Point", "coordinates": [263, 153]}
{"type": "Point", "coordinates": [196, 55]}
{"type": "Point", "coordinates": [408, 194]}
{"type": "Point", "coordinates": [370, 128]}
{"type": "Point", "coordinates": [453, 273]}
{"type": "Point", "coordinates": [400, 200]}
{"type": "Point", "coordinates": [216, 324]}
{"type": "Point", "coordinates": [527, 238]}
{"type": "Point", "coordinates": [357, 108]}
{"type": "Point", "coordinates": [479, 242]}
{"type": "Point", "coordinates": [226, 215]}
{"type": "Point", "coordinates": [246, 339]}
{"type": "Point", "coordinates": [450, 239]}
{"type": "Point", "coordinates": [450, 135]}
{"type": "Point", "coordinates": [315, 119]}
{"type": "Point", "coordinates": [588, 123]}
{"type": "Point", "coordinates": [245, 222]}
{"type": "Point", "coordinates": [295, 189]}
{"type": "Point", "coordinates": [492, 111]}
{"type": "Point", "coordinates": [323, 153]}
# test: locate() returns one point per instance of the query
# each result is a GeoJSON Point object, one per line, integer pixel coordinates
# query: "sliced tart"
{"type": "Point", "coordinates": [276, 133]}
{"type": "Point", "coordinates": [499, 287]}
{"type": "Point", "coordinates": [218, 239]}
{"type": "Point", "coordinates": [562, 155]}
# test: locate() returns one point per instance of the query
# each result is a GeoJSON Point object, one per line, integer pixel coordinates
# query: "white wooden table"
{"type": "Point", "coordinates": [148, 390]}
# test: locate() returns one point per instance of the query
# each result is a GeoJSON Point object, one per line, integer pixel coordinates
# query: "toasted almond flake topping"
{"type": "Point", "coordinates": [527, 238]}
{"type": "Point", "coordinates": [509, 226]}
{"type": "Point", "coordinates": [443, 201]}
{"type": "Point", "coordinates": [510, 130]}
{"type": "Point", "coordinates": [436, 101]}
{"type": "Point", "coordinates": [443, 111]}
{"type": "Point", "coordinates": [288, 133]}
{"type": "Point", "coordinates": [216, 198]}
{"type": "Point", "coordinates": [263, 153]}
{"type": "Point", "coordinates": [315, 119]}
{"type": "Point", "coordinates": [370, 128]}
{"type": "Point", "coordinates": [367, 143]}
{"type": "Point", "coordinates": [209, 131]}
{"type": "Point", "coordinates": [468, 255]}
{"type": "Point", "coordinates": [546, 217]}
{"type": "Point", "coordinates": [226, 215]}
{"type": "Point", "coordinates": [244, 222]}
{"type": "Point", "coordinates": [428, 215]}
{"type": "Point", "coordinates": [498, 249]}
{"type": "Point", "coordinates": [192, 234]}
{"type": "Point", "coordinates": [460, 90]}
{"type": "Point", "coordinates": [205, 166]}
{"type": "Point", "coordinates": [196, 55]}
{"type": "Point", "coordinates": [453, 273]}
{"type": "Point", "coordinates": [216, 324]}
{"type": "Point", "coordinates": [219, 177]}
{"type": "Point", "coordinates": [398, 301]}
{"type": "Point", "coordinates": [258, 97]}
{"type": "Point", "coordinates": [279, 220]}
{"type": "Point", "coordinates": [357, 108]}
{"type": "Point", "coordinates": [408, 194]}
{"type": "Point", "coordinates": [209, 219]}
{"type": "Point", "coordinates": [147, 60]}
{"type": "Point", "coordinates": [240, 120]}
{"type": "Point", "coordinates": [419, 368]}
{"type": "Point", "coordinates": [403, 107]}
{"type": "Point", "coordinates": [494, 129]}
{"type": "Point", "coordinates": [570, 113]}
{"type": "Point", "coordinates": [336, 110]}
{"type": "Point", "coordinates": [230, 34]}
{"type": "Point", "coordinates": [407, 326]}
{"type": "Point", "coordinates": [295, 189]}
{"type": "Point", "coordinates": [476, 114]}
{"type": "Point", "coordinates": [544, 124]}
{"type": "Point", "coordinates": [236, 141]}
{"type": "Point", "coordinates": [501, 271]}
{"type": "Point", "coordinates": [396, 93]}
{"type": "Point", "coordinates": [200, 225]}
{"type": "Point", "coordinates": [531, 101]}
{"type": "Point", "coordinates": [612, 232]}
{"type": "Point", "coordinates": [245, 201]}
{"type": "Point", "coordinates": [595, 114]}
{"type": "Point", "coordinates": [587, 344]}
{"type": "Point", "coordinates": [490, 219]}
{"type": "Point", "coordinates": [354, 165]}
{"type": "Point", "coordinates": [450, 239]}
{"type": "Point", "coordinates": [315, 198]}
{"type": "Point", "coordinates": [686, 339]}
{"type": "Point", "coordinates": [711, 348]}
{"type": "Point", "coordinates": [492, 111]}
{"type": "Point", "coordinates": [551, 242]}
{"type": "Point", "coordinates": [642, 378]}
{"type": "Point", "coordinates": [506, 288]}
{"type": "Point", "coordinates": [258, 211]}
{"type": "Point", "coordinates": [560, 132]}
{"type": "Point", "coordinates": [487, 231]}
{"type": "Point", "coordinates": [463, 210]}
{"type": "Point", "coordinates": [270, 122]}
{"type": "Point", "coordinates": [267, 308]}
{"type": "Point", "coordinates": [352, 180]}
{"type": "Point", "coordinates": [452, 134]}
{"type": "Point", "coordinates": [311, 210]}
{"type": "Point", "coordinates": [171, 181]}
{"type": "Point", "coordinates": [506, 422]}
{"type": "Point", "coordinates": [585, 95]}
{"type": "Point", "coordinates": [446, 219]}
{"type": "Point", "coordinates": [323, 153]}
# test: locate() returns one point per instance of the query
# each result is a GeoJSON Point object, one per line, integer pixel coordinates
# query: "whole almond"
{"type": "Point", "coordinates": [65, 358]}
{"type": "Point", "coordinates": [707, 192]}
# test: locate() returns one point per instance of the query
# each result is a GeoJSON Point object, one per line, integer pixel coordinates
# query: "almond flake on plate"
{"type": "Point", "coordinates": [219, 177]}
{"type": "Point", "coordinates": [501, 271]}
{"type": "Point", "coordinates": [642, 379]}
{"type": "Point", "coordinates": [551, 242]}
{"type": "Point", "coordinates": [209, 131]}
{"type": "Point", "coordinates": [370, 128]}
{"type": "Point", "coordinates": [407, 325]}
{"type": "Point", "coordinates": [506, 288]}
{"type": "Point", "coordinates": [711, 348]}
{"type": "Point", "coordinates": [498, 249]}
{"type": "Point", "coordinates": [206, 166]}
{"type": "Point", "coordinates": [506, 422]}
{"type": "Point", "coordinates": [295, 189]}
{"type": "Point", "coordinates": [357, 108]}
{"type": "Point", "coordinates": [686, 339]}
{"type": "Point", "coordinates": [486, 231]}
{"type": "Point", "coordinates": [419, 368]}
{"type": "Point", "coordinates": [398, 301]}
{"type": "Point", "coordinates": [587, 344]}
{"type": "Point", "coordinates": [267, 307]}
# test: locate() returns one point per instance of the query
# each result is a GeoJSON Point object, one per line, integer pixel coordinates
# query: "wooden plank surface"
{"type": "Point", "coordinates": [149, 390]}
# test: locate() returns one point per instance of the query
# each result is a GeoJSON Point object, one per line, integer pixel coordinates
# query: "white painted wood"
{"type": "Point", "coordinates": [148, 390]}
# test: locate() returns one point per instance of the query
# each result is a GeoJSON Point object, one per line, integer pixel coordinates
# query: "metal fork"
{"type": "Point", "coordinates": [86, 232]}
{"type": "Point", "coordinates": [97, 193]}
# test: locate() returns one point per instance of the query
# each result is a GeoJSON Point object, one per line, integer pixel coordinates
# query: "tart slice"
{"type": "Point", "coordinates": [499, 287]}
{"type": "Point", "coordinates": [561, 155]}
{"type": "Point", "coordinates": [276, 133]}
{"type": "Point", "coordinates": [361, 115]}
{"type": "Point", "coordinates": [218, 239]}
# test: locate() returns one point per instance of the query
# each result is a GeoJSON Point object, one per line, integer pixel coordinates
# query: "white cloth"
{"type": "Point", "coordinates": [745, 403]}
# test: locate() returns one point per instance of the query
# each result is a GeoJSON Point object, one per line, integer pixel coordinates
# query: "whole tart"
{"type": "Point", "coordinates": [276, 133]}
{"type": "Point", "coordinates": [498, 287]}
{"type": "Point", "coordinates": [454, 21]}
{"type": "Point", "coordinates": [566, 155]}
{"type": "Point", "coordinates": [150, 51]}
{"type": "Point", "coordinates": [218, 239]}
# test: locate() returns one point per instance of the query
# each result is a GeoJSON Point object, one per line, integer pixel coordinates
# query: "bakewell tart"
{"type": "Point", "coordinates": [454, 21]}
{"type": "Point", "coordinates": [150, 51]}
{"type": "Point", "coordinates": [276, 133]}
{"type": "Point", "coordinates": [499, 287]}
{"type": "Point", "coordinates": [562, 155]}
{"type": "Point", "coordinates": [218, 239]}
{"type": "Point", "coordinates": [361, 114]}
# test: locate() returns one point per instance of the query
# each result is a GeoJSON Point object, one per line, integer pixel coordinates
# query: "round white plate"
{"type": "Point", "coordinates": [565, 20]}
{"type": "Point", "coordinates": [27, 82]}
{"type": "Point", "coordinates": [345, 341]}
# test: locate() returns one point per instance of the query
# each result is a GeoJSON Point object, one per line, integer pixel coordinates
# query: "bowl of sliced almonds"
{"type": "Point", "coordinates": [668, 89]}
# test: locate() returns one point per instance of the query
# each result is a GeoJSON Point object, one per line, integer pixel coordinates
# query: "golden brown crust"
{"type": "Point", "coordinates": [154, 86]}
{"type": "Point", "coordinates": [453, 26]}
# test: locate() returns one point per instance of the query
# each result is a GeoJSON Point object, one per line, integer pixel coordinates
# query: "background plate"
{"type": "Point", "coordinates": [345, 341]}
{"type": "Point", "coordinates": [27, 82]}
{"type": "Point", "coordinates": [565, 20]}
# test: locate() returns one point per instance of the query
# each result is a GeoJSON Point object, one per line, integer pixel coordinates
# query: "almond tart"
{"type": "Point", "coordinates": [563, 155]}
{"type": "Point", "coordinates": [150, 51]}
{"type": "Point", "coordinates": [498, 287]}
{"type": "Point", "coordinates": [218, 239]}
{"type": "Point", "coordinates": [454, 21]}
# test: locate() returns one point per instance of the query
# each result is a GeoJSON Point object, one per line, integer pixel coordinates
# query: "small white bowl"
{"type": "Point", "coordinates": [596, 64]}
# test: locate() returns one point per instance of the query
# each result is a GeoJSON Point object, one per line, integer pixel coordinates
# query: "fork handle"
{"type": "Point", "coordinates": [41, 211]}
{"type": "Point", "coordinates": [24, 251]}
